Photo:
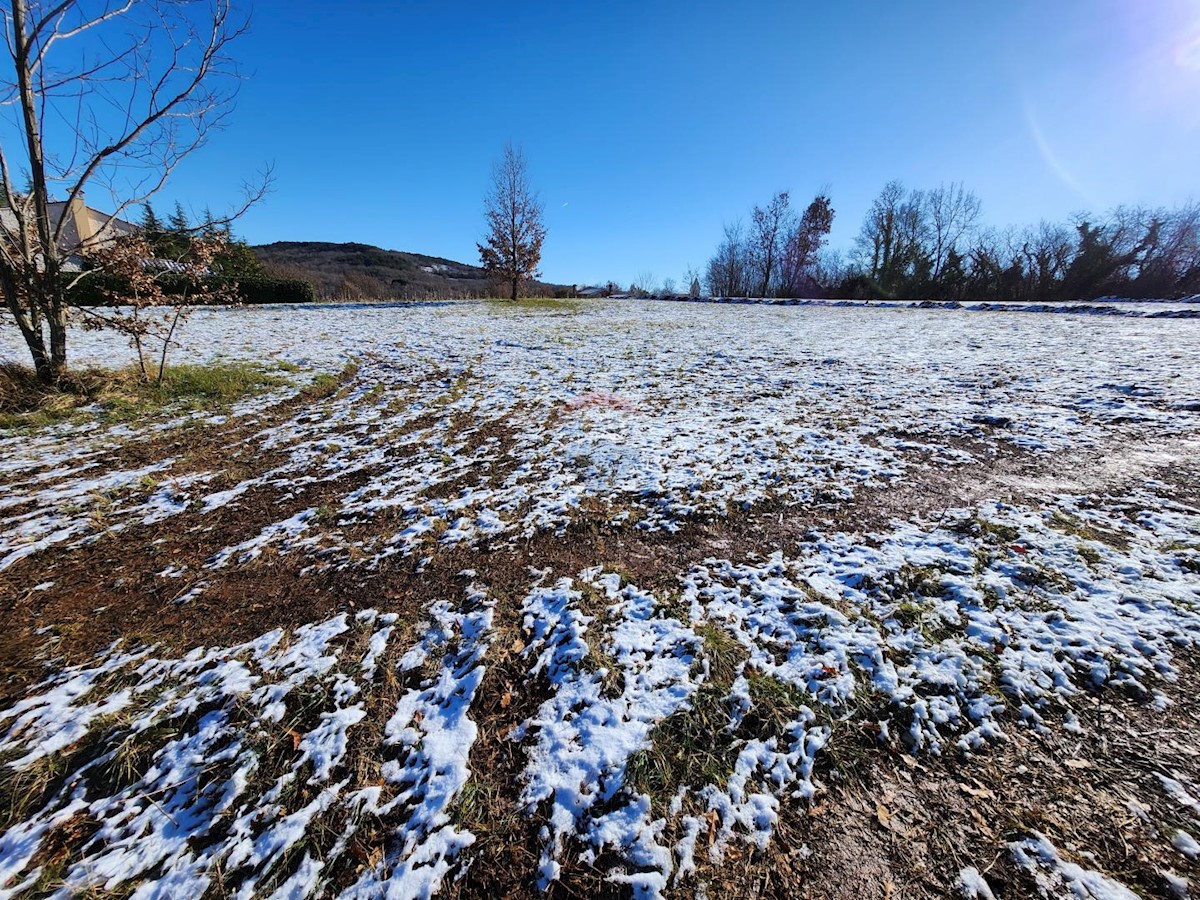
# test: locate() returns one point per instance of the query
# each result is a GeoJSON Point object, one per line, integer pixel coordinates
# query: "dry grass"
{"type": "Point", "coordinates": [882, 825]}
{"type": "Point", "coordinates": [124, 394]}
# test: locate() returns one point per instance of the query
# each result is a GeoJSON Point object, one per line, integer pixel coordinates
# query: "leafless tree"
{"type": "Point", "coordinates": [768, 228]}
{"type": "Point", "coordinates": [890, 244]}
{"type": "Point", "coordinates": [513, 247]}
{"type": "Point", "coordinates": [645, 284]}
{"type": "Point", "coordinates": [691, 282]}
{"type": "Point", "coordinates": [1046, 251]}
{"type": "Point", "coordinates": [109, 95]}
{"type": "Point", "coordinates": [728, 271]}
{"type": "Point", "coordinates": [952, 212]}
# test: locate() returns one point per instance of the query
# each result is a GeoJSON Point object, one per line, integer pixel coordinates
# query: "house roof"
{"type": "Point", "coordinates": [69, 238]}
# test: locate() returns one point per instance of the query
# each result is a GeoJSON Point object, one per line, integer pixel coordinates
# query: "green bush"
{"type": "Point", "coordinates": [251, 290]}
{"type": "Point", "coordinates": [265, 289]}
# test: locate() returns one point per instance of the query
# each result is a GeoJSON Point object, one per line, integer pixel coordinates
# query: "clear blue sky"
{"type": "Point", "coordinates": [649, 124]}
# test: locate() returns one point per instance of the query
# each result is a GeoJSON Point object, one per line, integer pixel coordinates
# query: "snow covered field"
{"type": "Point", "coordinates": [610, 596]}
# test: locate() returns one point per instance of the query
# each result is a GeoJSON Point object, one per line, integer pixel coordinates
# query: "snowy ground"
{"type": "Point", "coordinates": [613, 596]}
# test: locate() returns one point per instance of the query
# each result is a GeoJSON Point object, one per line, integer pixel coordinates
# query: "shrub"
{"type": "Point", "coordinates": [92, 289]}
{"type": "Point", "coordinates": [265, 289]}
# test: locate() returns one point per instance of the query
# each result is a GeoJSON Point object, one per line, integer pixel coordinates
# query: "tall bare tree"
{"type": "Point", "coordinates": [953, 212]}
{"type": "Point", "coordinates": [769, 227]}
{"type": "Point", "coordinates": [890, 245]}
{"type": "Point", "coordinates": [101, 94]}
{"type": "Point", "coordinates": [513, 247]}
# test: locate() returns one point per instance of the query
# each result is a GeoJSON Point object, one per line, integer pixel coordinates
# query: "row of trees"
{"type": "Point", "coordinates": [777, 256]}
{"type": "Point", "coordinates": [179, 241]}
{"type": "Point", "coordinates": [932, 244]}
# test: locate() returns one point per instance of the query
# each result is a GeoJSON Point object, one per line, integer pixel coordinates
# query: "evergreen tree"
{"type": "Point", "coordinates": [179, 220]}
{"type": "Point", "coordinates": [178, 238]}
{"type": "Point", "coordinates": [152, 227]}
{"type": "Point", "coordinates": [237, 260]}
{"type": "Point", "coordinates": [208, 227]}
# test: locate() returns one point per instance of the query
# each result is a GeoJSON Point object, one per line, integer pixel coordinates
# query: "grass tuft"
{"type": "Point", "coordinates": [693, 747]}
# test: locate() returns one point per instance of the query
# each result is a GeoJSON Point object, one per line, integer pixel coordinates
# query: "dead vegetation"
{"type": "Point", "coordinates": [883, 825]}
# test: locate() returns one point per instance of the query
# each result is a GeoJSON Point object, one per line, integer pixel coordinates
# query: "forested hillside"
{"type": "Point", "coordinates": [364, 272]}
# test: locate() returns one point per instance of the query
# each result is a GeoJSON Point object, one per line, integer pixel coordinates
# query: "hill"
{"type": "Point", "coordinates": [363, 272]}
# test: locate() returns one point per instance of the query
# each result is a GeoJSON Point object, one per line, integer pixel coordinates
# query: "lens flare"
{"type": "Point", "coordinates": [1188, 55]}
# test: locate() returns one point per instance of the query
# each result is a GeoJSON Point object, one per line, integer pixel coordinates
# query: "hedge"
{"type": "Point", "coordinates": [251, 290]}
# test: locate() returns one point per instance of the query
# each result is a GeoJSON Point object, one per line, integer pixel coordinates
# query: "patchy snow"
{"type": "Point", "coordinates": [799, 406]}
{"type": "Point", "coordinates": [258, 769]}
{"type": "Point", "coordinates": [1056, 877]}
{"type": "Point", "coordinates": [583, 736]}
{"type": "Point", "coordinates": [972, 886]}
{"type": "Point", "coordinates": [1186, 844]}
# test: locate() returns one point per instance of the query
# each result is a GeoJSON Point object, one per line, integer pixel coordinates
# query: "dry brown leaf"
{"type": "Point", "coordinates": [296, 738]}
{"type": "Point", "coordinates": [517, 645]}
{"type": "Point", "coordinates": [982, 823]}
{"type": "Point", "coordinates": [506, 700]}
{"type": "Point", "coordinates": [978, 793]}
{"type": "Point", "coordinates": [882, 814]}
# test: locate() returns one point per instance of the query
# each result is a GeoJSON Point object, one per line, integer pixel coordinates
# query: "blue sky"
{"type": "Point", "coordinates": [647, 125]}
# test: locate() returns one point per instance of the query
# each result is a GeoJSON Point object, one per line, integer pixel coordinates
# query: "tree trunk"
{"type": "Point", "coordinates": [41, 361]}
{"type": "Point", "coordinates": [515, 283]}
{"type": "Point", "coordinates": [58, 343]}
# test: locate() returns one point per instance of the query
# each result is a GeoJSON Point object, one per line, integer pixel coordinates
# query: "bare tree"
{"type": "Point", "coordinates": [729, 270]}
{"type": "Point", "coordinates": [513, 247]}
{"type": "Point", "coordinates": [952, 212]}
{"type": "Point", "coordinates": [108, 95]}
{"type": "Point", "coordinates": [691, 281]}
{"type": "Point", "coordinates": [769, 225]}
{"type": "Point", "coordinates": [889, 247]}
{"type": "Point", "coordinates": [645, 284]}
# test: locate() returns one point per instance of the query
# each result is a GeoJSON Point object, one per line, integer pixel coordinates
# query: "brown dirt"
{"type": "Point", "coordinates": [885, 825]}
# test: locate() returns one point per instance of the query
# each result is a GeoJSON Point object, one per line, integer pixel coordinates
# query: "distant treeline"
{"type": "Point", "coordinates": [918, 244]}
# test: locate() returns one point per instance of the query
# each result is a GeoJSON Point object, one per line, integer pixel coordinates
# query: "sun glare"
{"type": "Point", "coordinates": [1187, 57]}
